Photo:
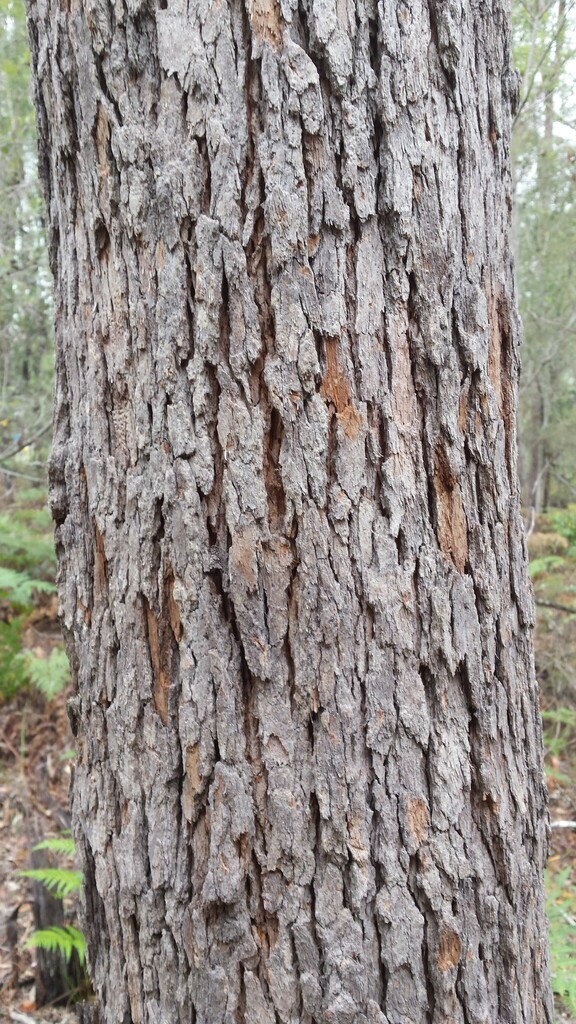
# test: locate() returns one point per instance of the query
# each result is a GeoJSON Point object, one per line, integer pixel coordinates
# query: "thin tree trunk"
{"type": "Point", "coordinates": [293, 573]}
{"type": "Point", "coordinates": [56, 981]}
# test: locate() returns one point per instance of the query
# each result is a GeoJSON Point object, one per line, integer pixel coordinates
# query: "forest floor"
{"type": "Point", "coordinates": [35, 774]}
{"type": "Point", "coordinates": [36, 744]}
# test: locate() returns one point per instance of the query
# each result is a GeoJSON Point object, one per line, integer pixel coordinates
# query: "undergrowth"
{"type": "Point", "coordinates": [561, 910]}
{"type": "Point", "coordinates": [563, 521]}
{"type": "Point", "coordinates": [18, 588]}
{"type": "Point", "coordinates": [26, 543]}
{"type": "Point", "coordinates": [12, 672]}
{"type": "Point", "coordinates": [546, 564]}
{"type": "Point", "coordinates": [559, 746]}
{"type": "Point", "coordinates": [62, 883]}
{"type": "Point", "coordinates": [27, 569]}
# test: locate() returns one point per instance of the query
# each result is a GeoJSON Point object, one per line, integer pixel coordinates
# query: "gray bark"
{"type": "Point", "coordinates": [292, 568]}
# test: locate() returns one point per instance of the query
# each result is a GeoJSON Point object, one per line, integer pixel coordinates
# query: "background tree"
{"type": "Point", "coordinates": [293, 575]}
{"type": "Point", "coordinates": [545, 169]}
{"type": "Point", "coordinates": [26, 346]}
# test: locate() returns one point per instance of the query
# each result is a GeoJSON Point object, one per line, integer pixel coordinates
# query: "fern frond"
{"type": "Point", "coordinates": [49, 675]}
{"type": "Point", "coordinates": [59, 940]}
{"type": "Point", "coordinates": [60, 882]}
{"type": "Point", "coordinates": [19, 588]}
{"type": "Point", "coordinates": [64, 845]}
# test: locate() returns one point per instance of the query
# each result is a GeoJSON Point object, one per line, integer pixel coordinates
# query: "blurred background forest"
{"type": "Point", "coordinates": [41, 950]}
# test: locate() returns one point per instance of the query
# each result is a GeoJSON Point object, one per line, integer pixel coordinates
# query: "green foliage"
{"type": "Point", "coordinates": [561, 909]}
{"type": "Point", "coordinates": [20, 668]}
{"type": "Point", "coordinates": [64, 940]}
{"type": "Point", "coordinates": [19, 589]}
{"type": "Point", "coordinates": [560, 716]}
{"type": "Point", "coordinates": [559, 736]}
{"type": "Point", "coordinates": [26, 569]}
{"type": "Point", "coordinates": [33, 517]}
{"type": "Point", "coordinates": [32, 496]}
{"type": "Point", "coordinates": [50, 675]}
{"type": "Point", "coordinates": [60, 882]}
{"type": "Point", "coordinates": [563, 521]}
{"type": "Point", "coordinates": [26, 543]}
{"type": "Point", "coordinates": [543, 566]}
{"type": "Point", "coordinates": [12, 672]}
{"type": "Point", "coordinates": [63, 845]}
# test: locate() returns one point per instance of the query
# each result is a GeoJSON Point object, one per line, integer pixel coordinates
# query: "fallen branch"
{"type": "Point", "coordinates": [556, 607]}
{"type": "Point", "coordinates": [24, 476]}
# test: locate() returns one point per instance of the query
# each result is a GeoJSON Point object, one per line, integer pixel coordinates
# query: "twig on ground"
{"type": "Point", "coordinates": [556, 607]}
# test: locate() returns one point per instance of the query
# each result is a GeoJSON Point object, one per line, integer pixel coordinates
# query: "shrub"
{"type": "Point", "coordinates": [13, 675]}
{"type": "Point", "coordinates": [563, 521]}
{"type": "Point", "coordinates": [542, 544]}
{"type": "Point", "coordinates": [26, 543]}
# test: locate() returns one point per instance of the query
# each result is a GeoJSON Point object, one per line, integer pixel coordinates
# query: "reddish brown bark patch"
{"type": "Point", "coordinates": [100, 564]}
{"type": "Point", "coordinates": [272, 473]}
{"type": "Point", "coordinates": [171, 606]}
{"type": "Point", "coordinates": [243, 560]}
{"type": "Point", "coordinates": [452, 531]}
{"type": "Point", "coordinates": [499, 350]}
{"type": "Point", "coordinates": [449, 949]}
{"type": "Point", "coordinates": [500, 366]}
{"type": "Point", "coordinates": [161, 680]}
{"type": "Point", "coordinates": [494, 350]}
{"type": "Point", "coordinates": [193, 782]}
{"type": "Point", "coordinates": [463, 409]}
{"type": "Point", "coordinates": [102, 135]}
{"type": "Point", "coordinates": [336, 389]}
{"type": "Point", "coordinates": [266, 21]}
{"type": "Point", "coordinates": [418, 820]}
{"type": "Point", "coordinates": [163, 633]}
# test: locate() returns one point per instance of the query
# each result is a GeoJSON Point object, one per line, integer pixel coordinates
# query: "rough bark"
{"type": "Point", "coordinates": [292, 568]}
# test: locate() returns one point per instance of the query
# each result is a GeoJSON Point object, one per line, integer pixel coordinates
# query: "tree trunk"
{"type": "Point", "coordinates": [292, 568]}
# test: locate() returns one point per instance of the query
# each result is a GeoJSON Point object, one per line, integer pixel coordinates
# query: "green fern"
{"type": "Point", "coordinates": [49, 675]}
{"type": "Point", "coordinates": [63, 845]}
{"type": "Point", "coordinates": [12, 673]}
{"type": "Point", "coordinates": [561, 909]}
{"type": "Point", "coordinates": [60, 882]}
{"type": "Point", "coordinates": [64, 940]}
{"type": "Point", "coordinates": [19, 588]}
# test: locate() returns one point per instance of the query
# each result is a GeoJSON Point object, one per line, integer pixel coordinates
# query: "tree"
{"type": "Point", "coordinates": [544, 169]}
{"type": "Point", "coordinates": [26, 350]}
{"type": "Point", "coordinates": [292, 567]}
